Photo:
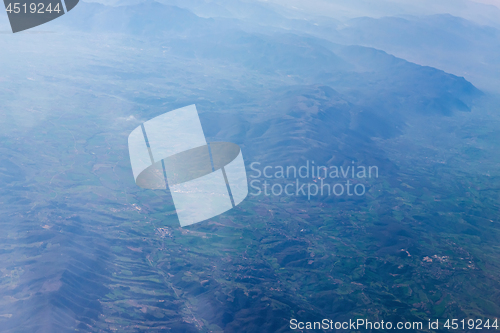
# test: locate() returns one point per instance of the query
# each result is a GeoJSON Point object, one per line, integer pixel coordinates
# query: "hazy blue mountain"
{"type": "Point", "coordinates": [149, 17]}
{"type": "Point", "coordinates": [443, 41]}
{"type": "Point", "coordinates": [83, 248]}
{"type": "Point", "coordinates": [381, 91]}
{"type": "Point", "coordinates": [479, 13]}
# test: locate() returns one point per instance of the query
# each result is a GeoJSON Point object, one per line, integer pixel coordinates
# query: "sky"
{"type": "Point", "coordinates": [490, 2]}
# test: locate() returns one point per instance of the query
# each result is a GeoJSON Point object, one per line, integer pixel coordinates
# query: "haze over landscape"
{"type": "Point", "coordinates": [409, 87]}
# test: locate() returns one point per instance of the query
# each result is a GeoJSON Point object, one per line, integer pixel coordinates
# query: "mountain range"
{"type": "Point", "coordinates": [84, 248]}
